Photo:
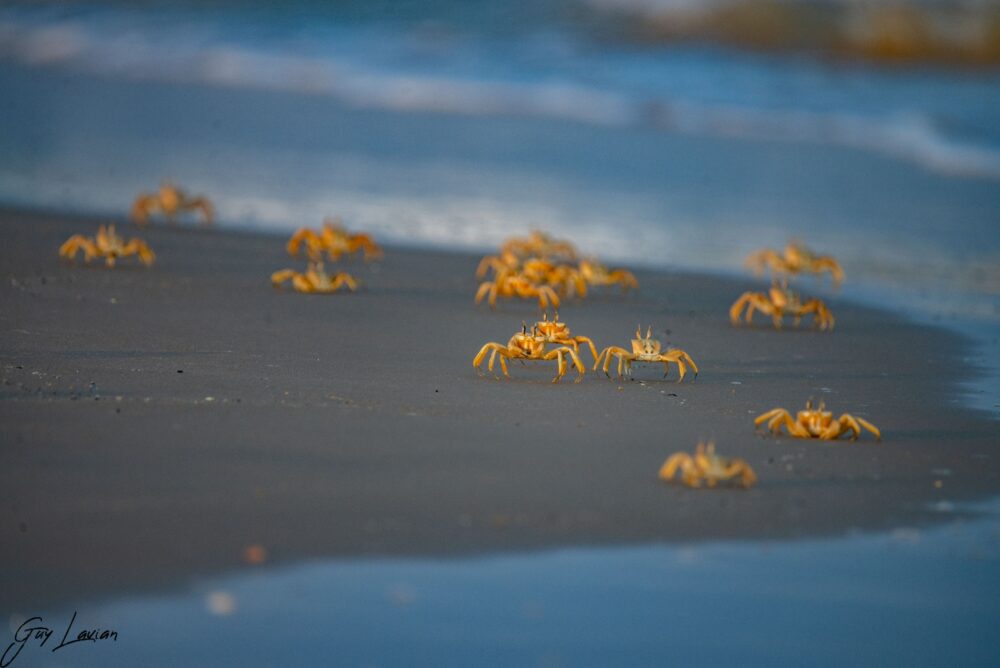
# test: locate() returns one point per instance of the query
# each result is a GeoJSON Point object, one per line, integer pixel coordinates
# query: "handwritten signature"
{"type": "Point", "coordinates": [33, 629]}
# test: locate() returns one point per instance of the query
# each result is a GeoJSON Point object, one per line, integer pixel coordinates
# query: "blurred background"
{"type": "Point", "coordinates": [680, 133]}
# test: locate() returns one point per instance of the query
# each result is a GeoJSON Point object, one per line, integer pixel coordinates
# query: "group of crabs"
{"type": "Point", "coordinates": [542, 268]}
{"type": "Point", "coordinates": [169, 200]}
{"type": "Point", "coordinates": [532, 268]}
{"type": "Point", "coordinates": [172, 202]}
{"type": "Point", "coordinates": [333, 241]}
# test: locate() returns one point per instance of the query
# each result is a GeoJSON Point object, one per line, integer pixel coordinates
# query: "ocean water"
{"type": "Point", "coordinates": [915, 597]}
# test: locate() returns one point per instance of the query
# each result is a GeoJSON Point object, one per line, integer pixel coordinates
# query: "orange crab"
{"type": "Point", "coordinates": [505, 261]}
{"type": "Point", "coordinates": [335, 241]}
{"type": "Point", "coordinates": [315, 279]}
{"type": "Point", "coordinates": [795, 259]}
{"type": "Point", "coordinates": [170, 201]}
{"type": "Point", "coordinates": [707, 467]}
{"type": "Point", "coordinates": [645, 349]}
{"type": "Point", "coordinates": [529, 346]}
{"type": "Point", "coordinates": [779, 302]}
{"type": "Point", "coordinates": [597, 274]}
{"type": "Point", "coordinates": [107, 244]}
{"type": "Point", "coordinates": [816, 423]}
{"type": "Point", "coordinates": [563, 278]}
{"type": "Point", "coordinates": [553, 331]}
{"type": "Point", "coordinates": [508, 285]}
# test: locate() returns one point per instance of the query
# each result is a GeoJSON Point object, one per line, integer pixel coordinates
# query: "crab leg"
{"type": "Point", "coordinates": [279, 277]}
{"type": "Point", "coordinates": [503, 365]}
{"type": "Point", "coordinates": [625, 277]}
{"type": "Point", "coordinates": [138, 247]}
{"type": "Point", "coordinates": [583, 339]}
{"type": "Point", "coordinates": [302, 234]}
{"type": "Point", "coordinates": [478, 359]}
{"type": "Point", "coordinates": [687, 358]}
{"type": "Point", "coordinates": [578, 363]}
{"type": "Point", "coordinates": [200, 204]}
{"type": "Point", "coordinates": [837, 428]}
{"type": "Point", "coordinates": [367, 245]}
{"type": "Point", "coordinates": [736, 309]}
{"type": "Point", "coordinates": [870, 427]}
{"type": "Point", "coordinates": [680, 460]}
{"type": "Point", "coordinates": [777, 417]}
{"type": "Point", "coordinates": [545, 295]}
{"type": "Point", "coordinates": [853, 423]}
{"type": "Point", "coordinates": [74, 244]}
{"type": "Point", "coordinates": [501, 355]}
{"type": "Point", "coordinates": [678, 357]}
{"type": "Point", "coordinates": [831, 265]}
{"type": "Point", "coordinates": [740, 468]}
{"type": "Point", "coordinates": [302, 283]}
{"type": "Point", "coordinates": [344, 279]}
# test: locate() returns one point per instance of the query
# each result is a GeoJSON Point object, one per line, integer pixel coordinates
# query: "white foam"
{"type": "Point", "coordinates": [175, 55]}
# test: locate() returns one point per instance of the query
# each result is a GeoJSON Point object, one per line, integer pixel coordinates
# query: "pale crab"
{"type": "Point", "coordinates": [315, 279]}
{"type": "Point", "coordinates": [108, 245]}
{"type": "Point", "coordinates": [529, 347]}
{"type": "Point", "coordinates": [779, 302]}
{"type": "Point", "coordinates": [171, 201]}
{"type": "Point", "coordinates": [553, 331]}
{"type": "Point", "coordinates": [334, 240]}
{"type": "Point", "coordinates": [816, 423]}
{"type": "Point", "coordinates": [645, 349]}
{"type": "Point", "coordinates": [707, 467]}
{"type": "Point", "coordinates": [597, 274]}
{"type": "Point", "coordinates": [541, 245]}
{"type": "Point", "coordinates": [508, 284]}
{"type": "Point", "coordinates": [795, 259]}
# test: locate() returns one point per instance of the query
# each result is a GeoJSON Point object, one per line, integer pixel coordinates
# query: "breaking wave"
{"type": "Point", "coordinates": [642, 92]}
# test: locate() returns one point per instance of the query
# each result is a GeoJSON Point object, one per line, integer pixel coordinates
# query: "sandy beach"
{"type": "Point", "coordinates": [155, 422]}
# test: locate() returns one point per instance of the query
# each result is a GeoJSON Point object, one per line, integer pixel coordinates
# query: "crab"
{"type": "Point", "coordinates": [779, 302]}
{"type": "Point", "coordinates": [707, 467]}
{"type": "Point", "coordinates": [509, 284]}
{"type": "Point", "coordinates": [335, 240]}
{"type": "Point", "coordinates": [107, 244]}
{"type": "Point", "coordinates": [505, 261]}
{"type": "Point", "coordinates": [553, 331]}
{"type": "Point", "coordinates": [541, 245]}
{"type": "Point", "coordinates": [529, 346]}
{"type": "Point", "coordinates": [645, 349]}
{"type": "Point", "coordinates": [170, 201]}
{"type": "Point", "coordinates": [795, 259]}
{"type": "Point", "coordinates": [816, 423]}
{"type": "Point", "coordinates": [596, 273]}
{"type": "Point", "coordinates": [315, 279]}
{"type": "Point", "coordinates": [565, 279]}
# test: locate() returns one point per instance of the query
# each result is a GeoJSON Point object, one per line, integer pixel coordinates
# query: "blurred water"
{"type": "Point", "coordinates": [916, 597]}
{"type": "Point", "coordinates": [522, 58]}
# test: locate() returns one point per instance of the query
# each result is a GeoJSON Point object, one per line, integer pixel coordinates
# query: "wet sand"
{"type": "Point", "coordinates": [154, 423]}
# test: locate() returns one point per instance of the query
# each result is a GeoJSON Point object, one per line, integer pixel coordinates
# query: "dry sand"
{"type": "Point", "coordinates": [154, 423]}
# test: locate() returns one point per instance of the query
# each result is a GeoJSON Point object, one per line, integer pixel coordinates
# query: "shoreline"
{"type": "Point", "coordinates": [121, 473]}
